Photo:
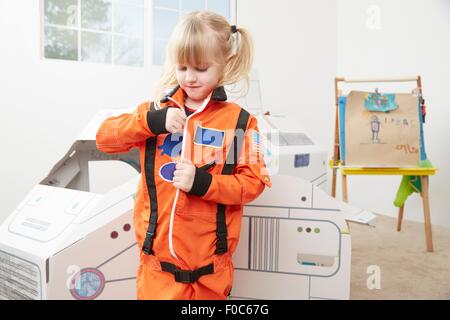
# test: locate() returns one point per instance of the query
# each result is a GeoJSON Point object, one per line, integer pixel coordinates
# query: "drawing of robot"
{"type": "Point", "coordinates": [375, 127]}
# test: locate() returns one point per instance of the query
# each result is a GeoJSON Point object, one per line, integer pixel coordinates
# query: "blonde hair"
{"type": "Point", "coordinates": [201, 37]}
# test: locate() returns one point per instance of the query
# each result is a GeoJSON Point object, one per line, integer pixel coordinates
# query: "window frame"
{"type": "Point", "coordinates": [147, 38]}
{"type": "Point", "coordinates": [79, 30]}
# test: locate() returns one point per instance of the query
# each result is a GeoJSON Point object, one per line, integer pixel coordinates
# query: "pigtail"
{"type": "Point", "coordinates": [239, 66]}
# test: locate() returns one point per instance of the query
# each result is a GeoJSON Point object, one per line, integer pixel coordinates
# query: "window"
{"type": "Point", "coordinates": [166, 14]}
{"type": "Point", "coordinates": [101, 31]}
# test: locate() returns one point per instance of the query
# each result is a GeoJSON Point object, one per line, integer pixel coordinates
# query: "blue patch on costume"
{"type": "Point", "coordinates": [167, 170]}
{"type": "Point", "coordinates": [209, 137]}
{"type": "Point", "coordinates": [172, 145]}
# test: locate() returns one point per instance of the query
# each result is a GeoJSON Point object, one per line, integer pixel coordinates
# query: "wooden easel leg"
{"type": "Point", "coordinates": [400, 217]}
{"type": "Point", "coordinates": [344, 188]}
{"type": "Point", "coordinates": [333, 184]}
{"type": "Point", "coordinates": [426, 213]}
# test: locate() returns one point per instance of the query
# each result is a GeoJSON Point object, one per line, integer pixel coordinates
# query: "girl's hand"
{"type": "Point", "coordinates": [175, 120]}
{"type": "Point", "coordinates": [183, 177]}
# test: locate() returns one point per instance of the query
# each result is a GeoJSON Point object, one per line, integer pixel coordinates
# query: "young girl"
{"type": "Point", "coordinates": [197, 170]}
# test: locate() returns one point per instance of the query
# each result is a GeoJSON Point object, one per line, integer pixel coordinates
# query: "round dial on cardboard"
{"type": "Point", "coordinates": [87, 284]}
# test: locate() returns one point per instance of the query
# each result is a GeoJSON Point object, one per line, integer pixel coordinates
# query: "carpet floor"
{"type": "Point", "coordinates": [406, 270]}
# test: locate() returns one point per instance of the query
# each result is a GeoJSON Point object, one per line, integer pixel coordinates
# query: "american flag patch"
{"type": "Point", "coordinates": [259, 143]}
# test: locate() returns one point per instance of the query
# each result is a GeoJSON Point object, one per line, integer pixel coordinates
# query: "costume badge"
{"type": "Point", "coordinates": [209, 137]}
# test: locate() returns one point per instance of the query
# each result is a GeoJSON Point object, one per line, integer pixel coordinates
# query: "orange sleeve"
{"type": "Point", "coordinates": [120, 134]}
{"type": "Point", "coordinates": [248, 181]}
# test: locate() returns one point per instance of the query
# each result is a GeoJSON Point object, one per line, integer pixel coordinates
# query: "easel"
{"type": "Point", "coordinates": [424, 173]}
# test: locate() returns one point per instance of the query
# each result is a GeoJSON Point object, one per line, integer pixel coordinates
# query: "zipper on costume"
{"type": "Point", "coordinates": [172, 214]}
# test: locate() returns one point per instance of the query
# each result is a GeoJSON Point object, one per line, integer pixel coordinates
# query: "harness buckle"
{"type": "Point", "coordinates": [183, 276]}
{"type": "Point", "coordinates": [148, 244]}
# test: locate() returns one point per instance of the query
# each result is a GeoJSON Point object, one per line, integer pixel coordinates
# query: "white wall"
{"type": "Point", "coordinates": [296, 56]}
{"type": "Point", "coordinates": [412, 38]}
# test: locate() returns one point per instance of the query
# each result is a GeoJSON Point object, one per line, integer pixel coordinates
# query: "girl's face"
{"type": "Point", "coordinates": [198, 81]}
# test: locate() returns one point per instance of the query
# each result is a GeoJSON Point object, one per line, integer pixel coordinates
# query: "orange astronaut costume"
{"type": "Point", "coordinates": [188, 239]}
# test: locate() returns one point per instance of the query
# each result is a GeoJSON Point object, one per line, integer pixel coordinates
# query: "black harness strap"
{"type": "Point", "coordinates": [191, 276]}
{"type": "Point", "coordinates": [187, 276]}
{"type": "Point", "coordinates": [150, 152]}
{"type": "Point", "coordinates": [230, 164]}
